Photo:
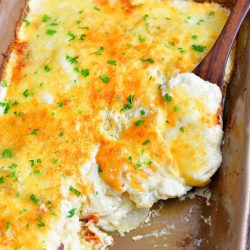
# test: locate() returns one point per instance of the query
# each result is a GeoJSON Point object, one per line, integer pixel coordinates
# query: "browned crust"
{"type": "Point", "coordinates": [14, 43]}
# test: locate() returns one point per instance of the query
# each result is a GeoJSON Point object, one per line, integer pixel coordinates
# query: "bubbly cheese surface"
{"type": "Point", "coordinates": [99, 119]}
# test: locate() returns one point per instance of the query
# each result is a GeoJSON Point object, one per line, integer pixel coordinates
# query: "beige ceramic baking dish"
{"type": "Point", "coordinates": [222, 223]}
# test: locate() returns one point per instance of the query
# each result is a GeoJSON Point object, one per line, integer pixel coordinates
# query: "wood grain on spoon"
{"type": "Point", "coordinates": [212, 68]}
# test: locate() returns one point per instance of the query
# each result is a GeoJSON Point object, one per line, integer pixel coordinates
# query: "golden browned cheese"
{"type": "Point", "coordinates": [71, 61]}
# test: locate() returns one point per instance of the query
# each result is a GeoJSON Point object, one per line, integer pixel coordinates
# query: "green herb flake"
{"type": "Point", "coordinates": [99, 51]}
{"type": "Point", "coordinates": [46, 18]}
{"type": "Point", "coordinates": [71, 36]}
{"type": "Point", "coordinates": [7, 225]}
{"type": "Point", "coordinates": [26, 22]}
{"type": "Point", "coordinates": [142, 112]}
{"type": "Point", "coordinates": [51, 32]}
{"type": "Point", "coordinates": [34, 131]}
{"type": "Point", "coordinates": [167, 97]}
{"type": "Point", "coordinates": [26, 93]}
{"type": "Point", "coordinates": [18, 114]}
{"type": "Point", "coordinates": [200, 21]}
{"type": "Point", "coordinates": [195, 37]}
{"type": "Point", "coordinates": [141, 39]}
{"type": "Point", "coordinates": [37, 171]}
{"type": "Point", "coordinates": [212, 13]}
{"type": "Point", "coordinates": [33, 199]}
{"type": "Point", "coordinates": [1, 180]}
{"type": "Point", "coordinates": [4, 84]}
{"type": "Point", "coordinates": [182, 50]}
{"type": "Point", "coordinates": [75, 191]}
{"type": "Point", "coordinates": [146, 142]}
{"type": "Point", "coordinates": [105, 78]}
{"type": "Point", "coordinates": [100, 170]}
{"type": "Point", "coordinates": [176, 108]}
{"type": "Point", "coordinates": [97, 8]}
{"type": "Point", "coordinates": [150, 60]}
{"type": "Point", "coordinates": [82, 37]}
{"type": "Point", "coordinates": [60, 134]}
{"type": "Point", "coordinates": [128, 105]}
{"type": "Point", "coordinates": [8, 153]}
{"type": "Point", "coordinates": [85, 72]}
{"type": "Point", "coordinates": [181, 129]}
{"type": "Point", "coordinates": [47, 68]}
{"type": "Point", "coordinates": [199, 48]}
{"type": "Point", "coordinates": [72, 59]}
{"type": "Point", "coordinates": [15, 103]}
{"type": "Point", "coordinates": [40, 223]}
{"type": "Point", "coordinates": [71, 212]}
{"type": "Point", "coordinates": [60, 104]}
{"type": "Point", "coordinates": [112, 62]}
{"type": "Point", "coordinates": [6, 108]}
{"type": "Point", "coordinates": [139, 123]}
{"type": "Point", "coordinates": [145, 17]}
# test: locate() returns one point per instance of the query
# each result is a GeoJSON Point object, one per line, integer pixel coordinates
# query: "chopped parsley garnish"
{"type": "Point", "coordinates": [71, 212]}
{"type": "Point", "coordinates": [140, 164]}
{"type": "Point", "coordinates": [26, 22]}
{"type": "Point", "coordinates": [75, 191]}
{"type": "Point", "coordinates": [141, 39]}
{"type": "Point", "coordinates": [212, 13]}
{"type": "Point", "coordinates": [182, 129]}
{"type": "Point", "coordinates": [146, 142]}
{"type": "Point", "coordinates": [112, 62]}
{"type": "Point", "coordinates": [54, 24]}
{"type": "Point", "coordinates": [26, 93]}
{"type": "Point", "coordinates": [1, 180]}
{"type": "Point", "coordinates": [128, 105]}
{"type": "Point", "coordinates": [176, 108]}
{"type": "Point", "coordinates": [72, 59]}
{"type": "Point", "coordinates": [40, 223]}
{"type": "Point", "coordinates": [150, 60]}
{"type": "Point", "coordinates": [51, 32]}
{"type": "Point", "coordinates": [145, 17]}
{"type": "Point", "coordinates": [60, 104]}
{"type": "Point", "coordinates": [194, 37]}
{"type": "Point", "coordinates": [18, 114]}
{"type": "Point", "coordinates": [139, 123]}
{"type": "Point", "coordinates": [8, 153]}
{"type": "Point", "coordinates": [15, 103]}
{"type": "Point", "coordinates": [200, 21]}
{"type": "Point", "coordinates": [199, 48]}
{"type": "Point", "coordinates": [60, 134]}
{"type": "Point", "coordinates": [99, 51]}
{"type": "Point", "coordinates": [4, 84]}
{"type": "Point", "coordinates": [47, 68]}
{"type": "Point", "coordinates": [33, 199]}
{"type": "Point", "coordinates": [182, 50]}
{"type": "Point", "coordinates": [97, 8]}
{"type": "Point", "coordinates": [142, 112]}
{"type": "Point", "coordinates": [105, 78]}
{"type": "Point", "coordinates": [100, 170]}
{"type": "Point", "coordinates": [37, 171]}
{"type": "Point", "coordinates": [34, 131]}
{"type": "Point", "coordinates": [167, 97]}
{"type": "Point", "coordinates": [6, 106]}
{"type": "Point", "coordinates": [85, 72]}
{"type": "Point", "coordinates": [82, 37]}
{"type": "Point", "coordinates": [46, 18]}
{"type": "Point", "coordinates": [72, 36]}
{"type": "Point", "coordinates": [7, 225]}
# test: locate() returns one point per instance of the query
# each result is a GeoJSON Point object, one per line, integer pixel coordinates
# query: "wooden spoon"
{"type": "Point", "coordinates": [212, 68]}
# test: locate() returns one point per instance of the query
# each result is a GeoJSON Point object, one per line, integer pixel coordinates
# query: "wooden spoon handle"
{"type": "Point", "coordinates": [212, 68]}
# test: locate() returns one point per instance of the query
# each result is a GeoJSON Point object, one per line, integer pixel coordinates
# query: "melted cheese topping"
{"type": "Point", "coordinates": [90, 119]}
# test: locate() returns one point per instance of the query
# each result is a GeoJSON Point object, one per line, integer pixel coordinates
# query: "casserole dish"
{"type": "Point", "coordinates": [176, 226]}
